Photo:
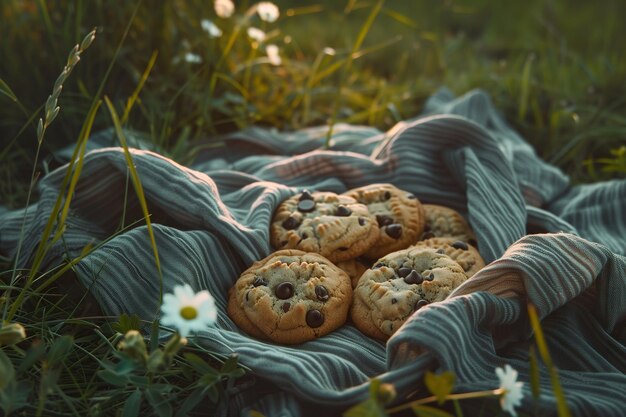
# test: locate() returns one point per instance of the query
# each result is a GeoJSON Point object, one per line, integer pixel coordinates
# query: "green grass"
{"type": "Point", "coordinates": [555, 70]}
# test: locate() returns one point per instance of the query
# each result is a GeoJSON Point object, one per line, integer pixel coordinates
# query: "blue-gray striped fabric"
{"type": "Point", "coordinates": [558, 247]}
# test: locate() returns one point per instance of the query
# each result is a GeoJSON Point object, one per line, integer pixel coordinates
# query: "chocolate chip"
{"type": "Point", "coordinates": [284, 290]}
{"type": "Point", "coordinates": [414, 278]}
{"type": "Point", "coordinates": [383, 220]}
{"type": "Point", "coordinates": [403, 272]}
{"type": "Point", "coordinates": [343, 248]}
{"type": "Point", "coordinates": [459, 244]}
{"type": "Point", "coordinates": [426, 227]}
{"type": "Point", "coordinates": [290, 223]}
{"type": "Point", "coordinates": [420, 304]}
{"type": "Point", "coordinates": [386, 196]}
{"type": "Point", "coordinates": [306, 195]}
{"type": "Point", "coordinates": [321, 292]}
{"type": "Point", "coordinates": [306, 206]}
{"type": "Point", "coordinates": [283, 242]}
{"type": "Point", "coordinates": [394, 231]}
{"type": "Point", "coordinates": [472, 242]}
{"type": "Point", "coordinates": [378, 265]}
{"type": "Point", "coordinates": [427, 235]}
{"type": "Point", "coordinates": [362, 221]}
{"type": "Point", "coordinates": [314, 318]}
{"type": "Point", "coordinates": [410, 196]}
{"type": "Point", "coordinates": [304, 236]}
{"type": "Point", "coordinates": [430, 277]}
{"type": "Point", "coordinates": [393, 301]}
{"type": "Point", "coordinates": [286, 307]}
{"type": "Point", "coordinates": [343, 211]}
{"type": "Point", "coordinates": [258, 281]}
{"type": "Point", "coordinates": [441, 251]}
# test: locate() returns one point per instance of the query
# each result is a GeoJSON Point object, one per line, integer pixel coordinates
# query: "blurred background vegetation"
{"type": "Point", "coordinates": [556, 69]}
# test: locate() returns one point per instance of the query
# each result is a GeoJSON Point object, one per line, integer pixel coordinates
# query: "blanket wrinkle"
{"type": "Point", "coordinates": [560, 247]}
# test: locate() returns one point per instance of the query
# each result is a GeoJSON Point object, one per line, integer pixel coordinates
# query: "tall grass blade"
{"type": "Point", "coordinates": [357, 45]}
{"type": "Point", "coordinates": [138, 189]}
{"type": "Point", "coordinates": [6, 90]}
{"type": "Point", "coordinates": [133, 98]}
{"type": "Point", "coordinates": [562, 409]}
{"type": "Point", "coordinates": [525, 87]}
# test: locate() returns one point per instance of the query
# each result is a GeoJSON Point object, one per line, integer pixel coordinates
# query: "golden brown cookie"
{"type": "Point", "coordinates": [463, 253]}
{"type": "Point", "coordinates": [445, 222]}
{"type": "Point", "coordinates": [354, 268]}
{"type": "Point", "coordinates": [399, 284]}
{"type": "Point", "coordinates": [399, 214]}
{"type": "Point", "coordinates": [335, 226]}
{"type": "Point", "coordinates": [290, 297]}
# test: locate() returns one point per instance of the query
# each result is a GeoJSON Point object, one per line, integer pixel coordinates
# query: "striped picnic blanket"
{"type": "Point", "coordinates": [557, 246]}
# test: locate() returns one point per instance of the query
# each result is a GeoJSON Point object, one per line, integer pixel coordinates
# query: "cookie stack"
{"type": "Point", "coordinates": [375, 252]}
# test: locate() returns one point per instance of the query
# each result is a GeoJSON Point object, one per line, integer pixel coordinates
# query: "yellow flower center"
{"type": "Point", "coordinates": [188, 312]}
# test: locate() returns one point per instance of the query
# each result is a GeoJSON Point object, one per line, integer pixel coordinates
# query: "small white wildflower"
{"type": "Point", "coordinates": [272, 54]}
{"type": "Point", "coordinates": [188, 311]}
{"type": "Point", "coordinates": [513, 394]}
{"type": "Point", "coordinates": [224, 8]}
{"type": "Point", "coordinates": [267, 11]}
{"type": "Point", "coordinates": [211, 28]}
{"type": "Point", "coordinates": [193, 58]}
{"type": "Point", "coordinates": [329, 51]}
{"type": "Point", "coordinates": [256, 34]}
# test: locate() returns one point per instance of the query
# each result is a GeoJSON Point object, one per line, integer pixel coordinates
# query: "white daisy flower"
{"type": "Point", "coordinates": [193, 58]}
{"type": "Point", "coordinates": [256, 34]}
{"type": "Point", "coordinates": [188, 311]}
{"type": "Point", "coordinates": [272, 54]}
{"type": "Point", "coordinates": [224, 8]}
{"type": "Point", "coordinates": [211, 28]}
{"type": "Point", "coordinates": [267, 11]}
{"type": "Point", "coordinates": [512, 395]}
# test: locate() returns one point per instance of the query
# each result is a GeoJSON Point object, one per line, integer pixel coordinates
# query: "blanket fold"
{"type": "Point", "coordinates": [558, 247]}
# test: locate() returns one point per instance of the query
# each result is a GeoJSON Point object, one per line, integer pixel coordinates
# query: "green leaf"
{"type": "Point", "coordinates": [230, 364]}
{"type": "Point", "coordinates": [60, 349]}
{"type": "Point", "coordinates": [159, 404]}
{"type": "Point", "coordinates": [213, 393]}
{"type": "Point", "coordinates": [4, 89]}
{"type": "Point", "coordinates": [426, 411]}
{"type": "Point", "coordinates": [132, 404]}
{"type": "Point", "coordinates": [440, 385]}
{"type": "Point", "coordinates": [367, 408]}
{"type": "Point", "coordinates": [113, 378]}
{"type": "Point", "coordinates": [14, 396]}
{"type": "Point", "coordinates": [197, 363]}
{"type": "Point", "coordinates": [6, 370]}
{"type": "Point", "coordinates": [191, 401]}
{"type": "Point", "coordinates": [126, 323]}
{"type": "Point", "coordinates": [34, 354]}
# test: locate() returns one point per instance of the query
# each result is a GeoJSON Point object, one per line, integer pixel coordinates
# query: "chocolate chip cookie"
{"type": "Point", "coordinates": [354, 268]}
{"type": "Point", "coordinates": [399, 214]}
{"type": "Point", "coordinates": [335, 226]}
{"type": "Point", "coordinates": [445, 222]}
{"type": "Point", "coordinates": [290, 297]}
{"type": "Point", "coordinates": [462, 252]}
{"type": "Point", "coordinates": [399, 284]}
